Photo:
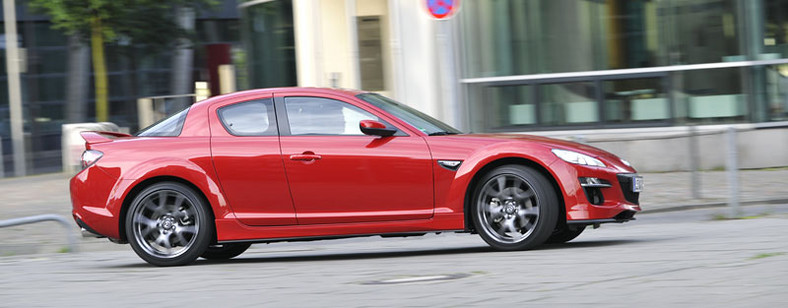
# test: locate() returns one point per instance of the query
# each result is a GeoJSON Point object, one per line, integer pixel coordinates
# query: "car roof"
{"type": "Point", "coordinates": [335, 91]}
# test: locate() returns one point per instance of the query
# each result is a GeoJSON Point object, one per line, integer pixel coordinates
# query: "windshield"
{"type": "Point", "coordinates": [415, 118]}
{"type": "Point", "coordinates": [167, 127]}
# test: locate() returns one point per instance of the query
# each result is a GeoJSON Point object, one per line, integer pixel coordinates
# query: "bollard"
{"type": "Point", "coordinates": [72, 242]}
{"type": "Point", "coordinates": [694, 162]}
{"type": "Point", "coordinates": [2, 159]}
{"type": "Point", "coordinates": [733, 174]}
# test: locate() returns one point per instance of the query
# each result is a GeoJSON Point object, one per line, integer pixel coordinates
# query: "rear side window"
{"type": "Point", "coordinates": [168, 127]}
{"type": "Point", "coordinates": [252, 118]}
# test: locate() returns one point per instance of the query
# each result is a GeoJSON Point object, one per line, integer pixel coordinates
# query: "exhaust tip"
{"type": "Point", "coordinates": [90, 234]}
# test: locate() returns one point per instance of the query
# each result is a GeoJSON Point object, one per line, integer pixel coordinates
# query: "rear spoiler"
{"type": "Point", "coordinates": [101, 137]}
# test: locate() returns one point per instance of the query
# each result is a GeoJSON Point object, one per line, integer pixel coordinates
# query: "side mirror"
{"type": "Point", "coordinates": [375, 128]}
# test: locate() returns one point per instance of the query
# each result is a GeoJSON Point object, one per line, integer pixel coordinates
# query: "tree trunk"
{"type": "Point", "coordinates": [77, 81]}
{"type": "Point", "coordinates": [99, 70]}
{"type": "Point", "coordinates": [182, 61]}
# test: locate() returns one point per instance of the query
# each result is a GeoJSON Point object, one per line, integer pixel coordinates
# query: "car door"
{"type": "Point", "coordinates": [339, 175]}
{"type": "Point", "coordinates": [248, 162]}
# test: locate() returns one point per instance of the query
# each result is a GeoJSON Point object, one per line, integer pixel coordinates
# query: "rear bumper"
{"type": "Point", "coordinates": [90, 197]}
{"type": "Point", "coordinates": [86, 230]}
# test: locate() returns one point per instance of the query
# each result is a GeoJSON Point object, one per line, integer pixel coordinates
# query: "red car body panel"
{"type": "Point", "coordinates": [284, 187]}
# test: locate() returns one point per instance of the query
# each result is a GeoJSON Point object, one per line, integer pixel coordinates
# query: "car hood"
{"type": "Point", "coordinates": [462, 146]}
{"type": "Point", "coordinates": [550, 142]}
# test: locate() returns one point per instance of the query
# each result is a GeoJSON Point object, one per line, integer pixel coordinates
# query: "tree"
{"type": "Point", "coordinates": [149, 22]}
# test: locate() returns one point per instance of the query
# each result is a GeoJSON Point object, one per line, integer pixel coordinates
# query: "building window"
{"type": "Point", "coordinates": [370, 53]}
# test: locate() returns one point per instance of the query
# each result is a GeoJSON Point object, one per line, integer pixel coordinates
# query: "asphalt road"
{"type": "Point", "coordinates": [682, 258]}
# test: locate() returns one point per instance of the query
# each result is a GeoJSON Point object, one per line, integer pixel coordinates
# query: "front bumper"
{"type": "Point", "coordinates": [609, 198]}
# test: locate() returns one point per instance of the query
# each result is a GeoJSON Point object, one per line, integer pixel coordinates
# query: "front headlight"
{"type": "Point", "coordinates": [626, 162]}
{"type": "Point", "coordinates": [577, 158]}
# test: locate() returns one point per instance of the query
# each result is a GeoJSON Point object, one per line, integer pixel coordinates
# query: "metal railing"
{"type": "Point", "coordinates": [731, 160]}
{"type": "Point", "coordinates": [72, 241]}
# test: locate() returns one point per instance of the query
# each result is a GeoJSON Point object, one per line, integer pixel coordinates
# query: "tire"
{"type": "Point", "coordinates": [514, 207]}
{"type": "Point", "coordinates": [564, 233]}
{"type": "Point", "coordinates": [225, 251]}
{"type": "Point", "coordinates": [168, 224]}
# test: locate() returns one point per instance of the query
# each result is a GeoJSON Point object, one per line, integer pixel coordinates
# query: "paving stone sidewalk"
{"type": "Point", "coordinates": [48, 194]}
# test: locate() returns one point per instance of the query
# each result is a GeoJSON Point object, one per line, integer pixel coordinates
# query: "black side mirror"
{"type": "Point", "coordinates": [375, 128]}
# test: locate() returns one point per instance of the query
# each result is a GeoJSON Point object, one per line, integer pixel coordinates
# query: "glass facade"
{"type": "Point", "coordinates": [559, 38]}
{"type": "Point", "coordinates": [133, 71]}
{"type": "Point", "coordinates": [269, 41]}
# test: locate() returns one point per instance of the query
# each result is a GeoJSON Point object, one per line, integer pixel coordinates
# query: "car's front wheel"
{"type": "Point", "coordinates": [514, 208]}
{"type": "Point", "coordinates": [168, 224]}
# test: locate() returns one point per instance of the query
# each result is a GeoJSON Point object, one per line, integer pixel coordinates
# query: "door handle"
{"type": "Point", "coordinates": [305, 157]}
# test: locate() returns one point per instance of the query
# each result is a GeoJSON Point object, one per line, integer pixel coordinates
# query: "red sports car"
{"type": "Point", "coordinates": [289, 164]}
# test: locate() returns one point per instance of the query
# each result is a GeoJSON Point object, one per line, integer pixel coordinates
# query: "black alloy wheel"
{"type": "Point", "coordinates": [514, 208]}
{"type": "Point", "coordinates": [168, 224]}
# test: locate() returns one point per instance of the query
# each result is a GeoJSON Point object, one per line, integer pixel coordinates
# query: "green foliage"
{"type": "Point", "coordinates": [767, 255]}
{"type": "Point", "coordinates": [152, 23]}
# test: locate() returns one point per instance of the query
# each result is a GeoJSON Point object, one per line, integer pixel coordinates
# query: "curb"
{"type": "Point", "coordinates": [695, 206]}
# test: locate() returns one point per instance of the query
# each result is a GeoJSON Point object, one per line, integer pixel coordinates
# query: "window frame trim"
{"type": "Point", "coordinates": [269, 114]}
{"type": "Point", "coordinates": [284, 120]}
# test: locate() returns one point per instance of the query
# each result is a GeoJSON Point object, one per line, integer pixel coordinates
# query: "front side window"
{"type": "Point", "coordinates": [168, 127]}
{"type": "Point", "coordinates": [322, 116]}
{"type": "Point", "coordinates": [252, 118]}
{"type": "Point", "coordinates": [415, 118]}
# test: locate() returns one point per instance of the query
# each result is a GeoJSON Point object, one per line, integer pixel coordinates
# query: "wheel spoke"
{"type": "Point", "coordinates": [181, 239]}
{"type": "Point", "coordinates": [164, 240]}
{"type": "Point", "coordinates": [528, 225]}
{"type": "Point", "coordinates": [501, 184]}
{"type": "Point", "coordinates": [507, 226]}
{"type": "Point", "coordinates": [524, 213]}
{"type": "Point", "coordinates": [517, 183]}
{"type": "Point", "coordinates": [148, 231]}
{"type": "Point", "coordinates": [157, 209]}
{"type": "Point", "coordinates": [162, 199]}
{"type": "Point", "coordinates": [145, 221]}
{"type": "Point", "coordinates": [186, 229]}
{"type": "Point", "coordinates": [178, 201]}
{"type": "Point", "coordinates": [490, 191]}
{"type": "Point", "coordinates": [523, 194]}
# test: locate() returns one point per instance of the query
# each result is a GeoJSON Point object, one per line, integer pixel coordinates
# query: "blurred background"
{"type": "Point", "coordinates": [644, 79]}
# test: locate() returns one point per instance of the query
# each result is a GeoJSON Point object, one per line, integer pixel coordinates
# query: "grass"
{"type": "Point", "coordinates": [64, 250]}
{"type": "Point", "coordinates": [767, 255]}
{"type": "Point", "coordinates": [721, 216]}
{"type": "Point", "coordinates": [761, 215]}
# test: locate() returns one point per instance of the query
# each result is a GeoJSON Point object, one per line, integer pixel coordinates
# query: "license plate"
{"type": "Point", "coordinates": [637, 184]}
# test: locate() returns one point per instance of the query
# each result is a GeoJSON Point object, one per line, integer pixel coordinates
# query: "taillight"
{"type": "Point", "coordinates": [90, 157]}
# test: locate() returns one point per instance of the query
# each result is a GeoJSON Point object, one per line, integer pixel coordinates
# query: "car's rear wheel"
{"type": "Point", "coordinates": [168, 224]}
{"type": "Point", "coordinates": [564, 233]}
{"type": "Point", "coordinates": [225, 251]}
{"type": "Point", "coordinates": [514, 207]}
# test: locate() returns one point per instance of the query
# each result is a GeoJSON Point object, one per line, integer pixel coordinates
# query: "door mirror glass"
{"type": "Point", "coordinates": [375, 128]}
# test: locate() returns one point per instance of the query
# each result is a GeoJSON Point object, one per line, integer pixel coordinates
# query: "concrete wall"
{"type": "Point", "coordinates": [418, 51]}
{"type": "Point", "coordinates": [668, 149]}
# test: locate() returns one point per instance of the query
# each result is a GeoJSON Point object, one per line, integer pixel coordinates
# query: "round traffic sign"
{"type": "Point", "coordinates": [442, 9]}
